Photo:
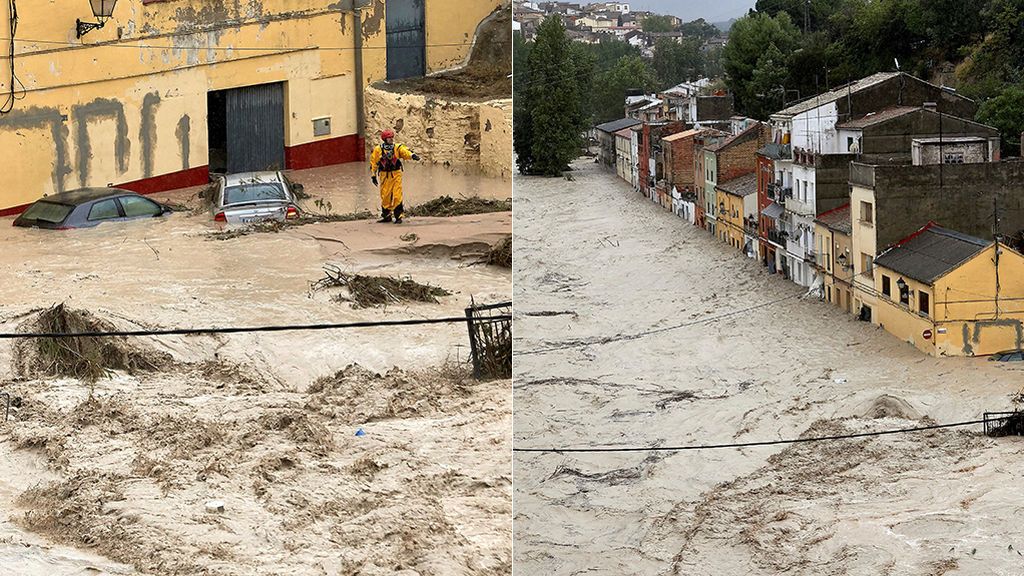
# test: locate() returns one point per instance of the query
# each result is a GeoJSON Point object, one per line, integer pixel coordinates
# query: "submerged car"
{"type": "Point", "coordinates": [250, 197]}
{"type": "Point", "coordinates": [1008, 356]}
{"type": "Point", "coordinates": [88, 207]}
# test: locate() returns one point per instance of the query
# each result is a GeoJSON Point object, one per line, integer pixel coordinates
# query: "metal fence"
{"type": "Point", "coordinates": [490, 339]}
{"type": "Point", "coordinates": [1003, 423]}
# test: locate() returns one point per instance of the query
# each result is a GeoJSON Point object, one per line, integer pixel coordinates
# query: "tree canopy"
{"type": "Point", "coordinates": [549, 104]}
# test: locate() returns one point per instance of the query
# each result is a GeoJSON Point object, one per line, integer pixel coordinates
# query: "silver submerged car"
{"type": "Point", "coordinates": [249, 197]}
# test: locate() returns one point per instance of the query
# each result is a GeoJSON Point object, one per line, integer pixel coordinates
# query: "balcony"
{"type": "Point", "coordinates": [799, 207]}
{"type": "Point", "coordinates": [778, 237]}
{"type": "Point", "coordinates": [778, 151]}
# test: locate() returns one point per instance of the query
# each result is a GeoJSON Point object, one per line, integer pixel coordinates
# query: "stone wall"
{"type": "Point", "coordinates": [961, 197]}
{"type": "Point", "coordinates": [474, 136]}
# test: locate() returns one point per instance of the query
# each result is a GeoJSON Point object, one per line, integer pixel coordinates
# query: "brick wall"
{"type": "Point", "coordinates": [679, 161]}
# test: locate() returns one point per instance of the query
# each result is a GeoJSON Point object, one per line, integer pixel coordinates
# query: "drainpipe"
{"type": "Point", "coordinates": [358, 6]}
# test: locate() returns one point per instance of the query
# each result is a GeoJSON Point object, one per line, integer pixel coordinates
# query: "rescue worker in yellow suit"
{"type": "Point", "coordinates": [386, 165]}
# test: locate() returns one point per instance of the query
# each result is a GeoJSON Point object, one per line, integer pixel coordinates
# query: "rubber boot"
{"type": "Point", "coordinates": [399, 210]}
{"type": "Point", "coordinates": [385, 215]}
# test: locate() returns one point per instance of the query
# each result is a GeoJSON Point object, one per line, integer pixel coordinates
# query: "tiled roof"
{"type": "Point", "coordinates": [680, 135]}
{"type": "Point", "coordinates": [878, 117]}
{"type": "Point", "coordinates": [837, 219]}
{"type": "Point", "coordinates": [815, 101]}
{"type": "Point", "coordinates": [931, 253]}
{"type": "Point", "coordinates": [753, 130]}
{"type": "Point", "coordinates": [743, 186]}
{"type": "Point", "coordinates": [616, 125]}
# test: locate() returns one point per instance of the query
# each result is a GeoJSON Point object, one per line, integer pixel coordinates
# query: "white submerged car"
{"type": "Point", "coordinates": [249, 197]}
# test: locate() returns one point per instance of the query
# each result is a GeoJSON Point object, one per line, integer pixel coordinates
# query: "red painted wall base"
{"type": "Point", "coordinates": [174, 180]}
{"type": "Point", "coordinates": [324, 152]}
{"type": "Point", "coordinates": [339, 150]}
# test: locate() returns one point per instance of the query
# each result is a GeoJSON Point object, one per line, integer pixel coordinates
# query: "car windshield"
{"type": "Point", "coordinates": [254, 192]}
{"type": "Point", "coordinates": [47, 212]}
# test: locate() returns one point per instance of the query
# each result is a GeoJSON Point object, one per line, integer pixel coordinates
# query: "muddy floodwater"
{"type": "Point", "coordinates": [617, 345]}
{"type": "Point", "coordinates": [112, 477]}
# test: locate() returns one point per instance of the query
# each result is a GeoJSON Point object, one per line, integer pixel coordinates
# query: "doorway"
{"type": "Point", "coordinates": [406, 39]}
{"type": "Point", "coordinates": [245, 128]}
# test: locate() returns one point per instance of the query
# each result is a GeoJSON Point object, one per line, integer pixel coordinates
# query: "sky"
{"type": "Point", "coordinates": [710, 10]}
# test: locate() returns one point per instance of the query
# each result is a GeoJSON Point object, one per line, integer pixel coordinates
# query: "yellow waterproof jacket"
{"type": "Point", "coordinates": [402, 152]}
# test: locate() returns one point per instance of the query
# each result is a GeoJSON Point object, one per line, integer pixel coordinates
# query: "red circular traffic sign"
{"type": "Point", "coordinates": [927, 334]}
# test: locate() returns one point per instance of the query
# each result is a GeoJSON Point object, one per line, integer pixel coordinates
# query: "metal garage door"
{"type": "Point", "coordinates": [407, 39]}
{"type": "Point", "coordinates": [255, 128]}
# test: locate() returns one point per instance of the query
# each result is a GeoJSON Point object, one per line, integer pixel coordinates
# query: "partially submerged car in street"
{"type": "Point", "coordinates": [88, 207]}
{"type": "Point", "coordinates": [249, 197]}
{"type": "Point", "coordinates": [1008, 356]}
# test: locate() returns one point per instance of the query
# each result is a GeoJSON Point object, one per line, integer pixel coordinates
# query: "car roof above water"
{"type": "Point", "coordinates": [83, 195]}
{"type": "Point", "coordinates": [251, 177]}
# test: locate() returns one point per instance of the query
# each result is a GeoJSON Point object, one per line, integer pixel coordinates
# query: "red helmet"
{"type": "Point", "coordinates": [387, 133]}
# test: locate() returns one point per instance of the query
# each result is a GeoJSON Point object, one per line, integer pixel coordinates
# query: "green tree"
{"type": "Point", "coordinates": [522, 135]}
{"type": "Point", "coordinates": [657, 23]}
{"type": "Point", "coordinates": [607, 52]}
{"type": "Point", "coordinates": [552, 102]}
{"type": "Point", "coordinates": [767, 83]}
{"type": "Point", "coordinates": [999, 58]}
{"type": "Point", "coordinates": [747, 41]}
{"type": "Point", "coordinates": [1006, 112]}
{"type": "Point", "coordinates": [675, 62]}
{"type": "Point", "coordinates": [609, 94]}
{"type": "Point", "coordinates": [699, 29]}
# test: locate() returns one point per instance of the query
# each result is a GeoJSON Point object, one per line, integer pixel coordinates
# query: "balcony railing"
{"type": "Point", "coordinates": [778, 237]}
{"type": "Point", "coordinates": [779, 151]}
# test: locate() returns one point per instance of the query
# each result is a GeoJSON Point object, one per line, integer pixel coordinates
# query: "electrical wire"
{"type": "Point", "coordinates": [604, 449]}
{"type": "Point", "coordinates": [236, 330]}
{"type": "Point", "coordinates": [12, 95]}
{"type": "Point", "coordinates": [222, 48]}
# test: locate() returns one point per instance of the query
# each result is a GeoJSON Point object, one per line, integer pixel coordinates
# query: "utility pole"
{"type": "Point", "coordinates": [995, 235]}
{"type": "Point", "coordinates": [807, 15]}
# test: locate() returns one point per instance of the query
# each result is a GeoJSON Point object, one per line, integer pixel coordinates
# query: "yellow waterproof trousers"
{"type": "Point", "coordinates": [390, 189]}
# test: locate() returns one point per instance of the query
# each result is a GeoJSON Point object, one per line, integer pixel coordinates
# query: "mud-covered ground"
{"type": "Point", "coordinates": [113, 477]}
{"type": "Point", "coordinates": [486, 75]}
{"type": "Point", "coordinates": [627, 284]}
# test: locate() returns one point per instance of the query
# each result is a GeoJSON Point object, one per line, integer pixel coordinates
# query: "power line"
{"type": "Point", "coordinates": [747, 444]}
{"type": "Point", "coordinates": [217, 48]}
{"type": "Point", "coordinates": [235, 330]}
{"type": "Point", "coordinates": [638, 335]}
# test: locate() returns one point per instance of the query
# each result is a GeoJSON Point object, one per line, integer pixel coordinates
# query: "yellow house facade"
{"type": "Point", "coordinates": [950, 294]}
{"type": "Point", "coordinates": [167, 90]}
{"type": "Point", "coordinates": [736, 201]}
{"type": "Point", "coordinates": [835, 256]}
{"type": "Point", "coordinates": [863, 247]}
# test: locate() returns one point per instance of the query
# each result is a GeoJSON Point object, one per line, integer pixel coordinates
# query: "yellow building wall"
{"type": "Point", "coordinates": [450, 30]}
{"type": "Point", "coordinates": [734, 219]}
{"type": "Point", "coordinates": [903, 320]}
{"type": "Point", "coordinates": [966, 308]}
{"type": "Point", "coordinates": [127, 102]}
{"type": "Point", "coordinates": [863, 241]}
{"type": "Point", "coordinates": [963, 317]}
{"type": "Point", "coordinates": [837, 280]}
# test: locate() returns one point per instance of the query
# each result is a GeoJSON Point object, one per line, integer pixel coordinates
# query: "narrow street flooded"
{"type": "Point", "coordinates": [111, 477]}
{"type": "Point", "coordinates": [634, 328]}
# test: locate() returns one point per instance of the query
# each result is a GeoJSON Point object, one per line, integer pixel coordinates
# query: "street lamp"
{"type": "Point", "coordinates": [901, 284]}
{"type": "Point", "coordinates": [102, 10]}
{"type": "Point", "coordinates": [844, 261]}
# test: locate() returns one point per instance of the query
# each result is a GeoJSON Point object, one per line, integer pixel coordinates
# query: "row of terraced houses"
{"type": "Point", "coordinates": [883, 197]}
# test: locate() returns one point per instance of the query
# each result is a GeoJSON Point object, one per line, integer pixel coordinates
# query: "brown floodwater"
{"type": "Point", "coordinates": [168, 273]}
